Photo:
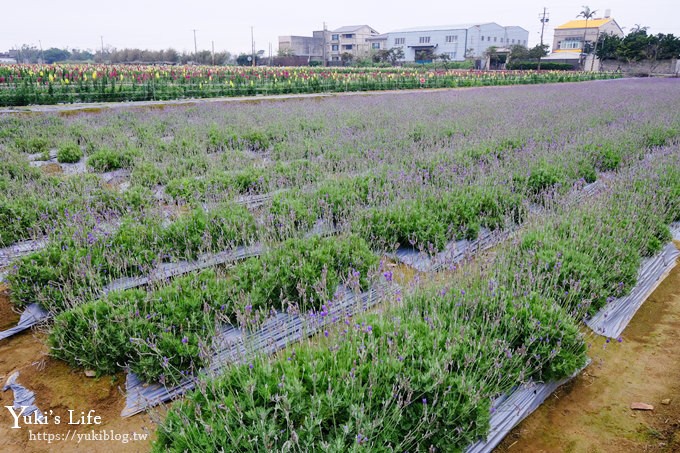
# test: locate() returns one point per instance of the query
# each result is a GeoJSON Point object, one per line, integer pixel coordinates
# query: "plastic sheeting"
{"type": "Point", "coordinates": [509, 410]}
{"type": "Point", "coordinates": [168, 270]}
{"type": "Point", "coordinates": [8, 254]}
{"type": "Point", "coordinates": [612, 319]}
{"type": "Point", "coordinates": [454, 252]}
{"type": "Point", "coordinates": [32, 315]}
{"type": "Point", "coordinates": [233, 345]}
{"type": "Point", "coordinates": [675, 231]}
{"type": "Point", "coordinates": [22, 398]}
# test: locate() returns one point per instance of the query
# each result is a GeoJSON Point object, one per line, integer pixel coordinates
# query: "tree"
{"type": "Point", "coordinates": [538, 51]}
{"type": "Point", "coordinates": [52, 55]}
{"type": "Point", "coordinates": [519, 52]}
{"type": "Point", "coordinates": [346, 58]}
{"type": "Point", "coordinates": [285, 52]}
{"type": "Point", "coordinates": [242, 59]}
{"type": "Point", "coordinates": [396, 54]}
{"type": "Point", "coordinates": [28, 54]}
{"type": "Point", "coordinates": [587, 14]}
{"type": "Point", "coordinates": [424, 55]}
{"type": "Point", "coordinates": [492, 55]}
{"type": "Point", "coordinates": [607, 47]}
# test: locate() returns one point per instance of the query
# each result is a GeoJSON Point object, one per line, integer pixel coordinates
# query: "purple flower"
{"type": "Point", "coordinates": [185, 340]}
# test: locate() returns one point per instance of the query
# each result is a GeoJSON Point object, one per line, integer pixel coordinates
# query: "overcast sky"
{"type": "Point", "coordinates": [155, 24]}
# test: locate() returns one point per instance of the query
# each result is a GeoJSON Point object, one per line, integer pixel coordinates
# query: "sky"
{"type": "Point", "coordinates": [153, 24]}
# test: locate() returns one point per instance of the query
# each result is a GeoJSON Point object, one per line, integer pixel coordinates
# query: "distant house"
{"type": "Point", "coordinates": [458, 42]}
{"type": "Point", "coordinates": [351, 40]}
{"type": "Point", "coordinates": [378, 42]}
{"type": "Point", "coordinates": [571, 36]}
{"type": "Point", "coordinates": [8, 57]}
{"type": "Point", "coordinates": [310, 47]}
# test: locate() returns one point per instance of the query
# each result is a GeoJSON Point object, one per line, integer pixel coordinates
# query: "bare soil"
{"type": "Point", "coordinates": [592, 413]}
{"type": "Point", "coordinates": [8, 317]}
{"type": "Point", "coordinates": [58, 389]}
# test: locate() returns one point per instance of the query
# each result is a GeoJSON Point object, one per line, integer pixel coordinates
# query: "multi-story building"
{"type": "Point", "coordinates": [570, 37]}
{"type": "Point", "coordinates": [310, 47]}
{"type": "Point", "coordinates": [458, 42]}
{"type": "Point", "coordinates": [350, 40]}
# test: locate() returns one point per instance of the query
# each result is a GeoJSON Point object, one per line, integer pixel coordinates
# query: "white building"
{"type": "Point", "coordinates": [456, 41]}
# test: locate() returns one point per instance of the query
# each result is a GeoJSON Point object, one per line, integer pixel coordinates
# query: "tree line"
{"type": "Point", "coordinates": [638, 45]}
{"type": "Point", "coordinates": [31, 54]}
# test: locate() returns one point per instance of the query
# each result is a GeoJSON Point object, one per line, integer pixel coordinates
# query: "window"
{"type": "Point", "coordinates": [570, 43]}
{"type": "Point", "coordinates": [336, 58]}
{"type": "Point", "coordinates": [424, 40]}
{"type": "Point", "coordinates": [398, 41]}
{"type": "Point", "coordinates": [334, 47]}
{"type": "Point", "coordinates": [494, 39]}
{"type": "Point", "coordinates": [452, 38]}
{"type": "Point", "coordinates": [335, 37]}
{"type": "Point", "coordinates": [501, 39]}
{"type": "Point", "coordinates": [375, 45]}
{"type": "Point", "coordinates": [513, 41]}
{"type": "Point", "coordinates": [452, 55]}
{"type": "Point", "coordinates": [348, 35]}
{"type": "Point", "coordinates": [482, 38]}
{"type": "Point", "coordinates": [347, 47]}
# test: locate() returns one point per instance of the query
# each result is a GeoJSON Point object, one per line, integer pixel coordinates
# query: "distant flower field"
{"type": "Point", "coordinates": [54, 84]}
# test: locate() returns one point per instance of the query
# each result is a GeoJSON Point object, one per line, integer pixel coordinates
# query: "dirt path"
{"type": "Point", "coordinates": [592, 413]}
{"type": "Point", "coordinates": [58, 388]}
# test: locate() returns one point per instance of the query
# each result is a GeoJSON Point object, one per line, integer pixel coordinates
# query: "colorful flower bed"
{"type": "Point", "coordinates": [53, 84]}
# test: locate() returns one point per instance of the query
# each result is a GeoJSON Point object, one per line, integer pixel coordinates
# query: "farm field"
{"type": "Point", "coordinates": [64, 83]}
{"type": "Point", "coordinates": [148, 235]}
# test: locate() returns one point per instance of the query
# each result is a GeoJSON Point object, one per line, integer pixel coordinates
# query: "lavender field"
{"type": "Point", "coordinates": [433, 251]}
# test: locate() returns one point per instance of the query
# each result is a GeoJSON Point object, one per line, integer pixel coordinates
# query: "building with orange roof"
{"type": "Point", "coordinates": [569, 37]}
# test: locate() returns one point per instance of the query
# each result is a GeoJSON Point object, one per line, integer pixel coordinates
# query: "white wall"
{"type": "Point", "coordinates": [493, 35]}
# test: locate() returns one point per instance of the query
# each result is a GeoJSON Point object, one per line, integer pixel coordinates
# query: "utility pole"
{"type": "Point", "coordinates": [270, 53]}
{"type": "Point", "coordinates": [42, 57]}
{"type": "Point", "coordinates": [195, 46]}
{"type": "Point", "coordinates": [252, 43]}
{"type": "Point", "coordinates": [544, 19]}
{"type": "Point", "coordinates": [592, 60]}
{"type": "Point", "coordinates": [213, 52]}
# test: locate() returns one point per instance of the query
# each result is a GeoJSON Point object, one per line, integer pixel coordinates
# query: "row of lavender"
{"type": "Point", "coordinates": [423, 374]}
{"type": "Point", "coordinates": [424, 189]}
{"type": "Point", "coordinates": [218, 152]}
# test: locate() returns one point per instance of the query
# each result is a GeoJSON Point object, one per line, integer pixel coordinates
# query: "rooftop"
{"type": "Point", "coordinates": [438, 28]}
{"type": "Point", "coordinates": [581, 23]}
{"type": "Point", "coordinates": [350, 28]}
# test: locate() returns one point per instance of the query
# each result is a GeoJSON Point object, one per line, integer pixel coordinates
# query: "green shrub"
{"type": "Point", "coordinates": [659, 136]}
{"type": "Point", "coordinates": [69, 153]}
{"type": "Point", "coordinates": [108, 159]}
{"type": "Point", "coordinates": [545, 66]}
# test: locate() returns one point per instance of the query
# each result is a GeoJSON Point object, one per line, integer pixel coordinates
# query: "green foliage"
{"type": "Point", "coordinates": [659, 136]}
{"type": "Point", "coordinates": [69, 268]}
{"type": "Point", "coordinates": [33, 145]}
{"type": "Point", "coordinates": [69, 153]}
{"type": "Point", "coordinates": [301, 272]}
{"type": "Point", "coordinates": [108, 159]}
{"type": "Point", "coordinates": [606, 156]}
{"type": "Point", "coordinates": [545, 66]}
